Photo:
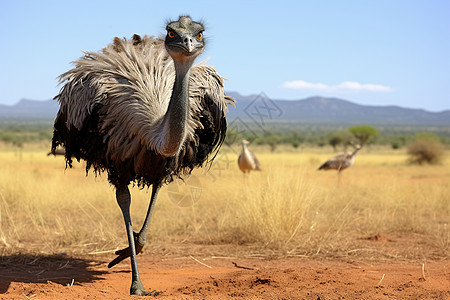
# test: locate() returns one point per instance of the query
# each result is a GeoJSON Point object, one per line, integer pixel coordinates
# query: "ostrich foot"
{"type": "Point", "coordinates": [125, 252]}
{"type": "Point", "coordinates": [137, 288]}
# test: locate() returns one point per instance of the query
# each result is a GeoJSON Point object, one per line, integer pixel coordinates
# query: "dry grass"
{"type": "Point", "coordinates": [287, 209]}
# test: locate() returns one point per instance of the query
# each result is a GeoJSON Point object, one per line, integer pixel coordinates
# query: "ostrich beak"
{"type": "Point", "coordinates": [188, 44]}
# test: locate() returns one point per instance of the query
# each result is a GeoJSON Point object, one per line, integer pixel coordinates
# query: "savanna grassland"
{"type": "Point", "coordinates": [382, 209]}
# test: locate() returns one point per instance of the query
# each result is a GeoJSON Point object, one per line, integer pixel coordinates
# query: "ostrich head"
{"type": "Point", "coordinates": [184, 41]}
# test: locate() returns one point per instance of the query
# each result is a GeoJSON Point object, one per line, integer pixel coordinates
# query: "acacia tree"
{"type": "Point", "coordinates": [364, 133]}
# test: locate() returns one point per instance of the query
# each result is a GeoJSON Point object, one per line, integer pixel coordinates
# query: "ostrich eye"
{"type": "Point", "coordinates": [199, 36]}
{"type": "Point", "coordinates": [171, 34]}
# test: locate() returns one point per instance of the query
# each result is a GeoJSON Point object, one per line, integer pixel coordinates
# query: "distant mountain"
{"type": "Point", "coordinates": [332, 111]}
{"type": "Point", "coordinates": [29, 109]}
{"type": "Point", "coordinates": [311, 110]}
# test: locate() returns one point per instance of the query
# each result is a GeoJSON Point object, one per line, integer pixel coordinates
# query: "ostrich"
{"type": "Point", "coordinates": [248, 161]}
{"type": "Point", "coordinates": [141, 112]}
{"type": "Point", "coordinates": [341, 161]}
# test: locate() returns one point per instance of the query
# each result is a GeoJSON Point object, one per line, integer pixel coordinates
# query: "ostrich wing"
{"type": "Point", "coordinates": [255, 159]}
{"type": "Point", "coordinates": [336, 162]}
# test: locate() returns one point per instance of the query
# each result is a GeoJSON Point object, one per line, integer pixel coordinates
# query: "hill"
{"type": "Point", "coordinates": [30, 110]}
{"type": "Point", "coordinates": [314, 110]}
{"type": "Point", "coordinates": [332, 111]}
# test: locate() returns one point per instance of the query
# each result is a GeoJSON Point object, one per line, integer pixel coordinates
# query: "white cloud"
{"type": "Point", "coordinates": [347, 86]}
{"type": "Point", "coordinates": [300, 84]}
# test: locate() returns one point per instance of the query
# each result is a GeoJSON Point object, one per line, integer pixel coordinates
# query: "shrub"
{"type": "Point", "coordinates": [398, 142]}
{"type": "Point", "coordinates": [425, 150]}
{"type": "Point", "coordinates": [339, 137]}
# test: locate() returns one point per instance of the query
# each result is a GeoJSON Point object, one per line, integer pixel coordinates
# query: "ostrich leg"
{"type": "Point", "coordinates": [124, 200]}
{"type": "Point", "coordinates": [141, 237]}
{"type": "Point", "coordinates": [339, 177]}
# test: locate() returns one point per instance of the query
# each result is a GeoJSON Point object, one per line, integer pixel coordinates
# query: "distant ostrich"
{"type": "Point", "coordinates": [248, 161]}
{"type": "Point", "coordinates": [141, 112]}
{"type": "Point", "coordinates": [341, 161]}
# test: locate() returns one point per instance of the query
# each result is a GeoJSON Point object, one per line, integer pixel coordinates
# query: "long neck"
{"type": "Point", "coordinates": [175, 120]}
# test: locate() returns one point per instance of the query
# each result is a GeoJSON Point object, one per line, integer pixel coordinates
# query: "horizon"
{"type": "Point", "coordinates": [379, 54]}
{"type": "Point", "coordinates": [256, 95]}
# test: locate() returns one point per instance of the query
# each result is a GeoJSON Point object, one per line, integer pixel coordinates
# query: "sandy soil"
{"type": "Point", "coordinates": [189, 277]}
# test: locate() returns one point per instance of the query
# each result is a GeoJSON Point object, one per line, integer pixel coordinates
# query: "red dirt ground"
{"type": "Point", "coordinates": [50, 277]}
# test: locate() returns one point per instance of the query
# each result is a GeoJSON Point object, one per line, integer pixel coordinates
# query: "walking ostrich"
{"type": "Point", "coordinates": [247, 160]}
{"type": "Point", "coordinates": [141, 112]}
{"type": "Point", "coordinates": [341, 161]}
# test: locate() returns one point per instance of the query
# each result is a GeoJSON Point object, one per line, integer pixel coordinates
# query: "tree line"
{"type": "Point", "coordinates": [337, 139]}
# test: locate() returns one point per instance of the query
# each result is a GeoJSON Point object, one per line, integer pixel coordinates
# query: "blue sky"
{"type": "Point", "coordinates": [380, 52]}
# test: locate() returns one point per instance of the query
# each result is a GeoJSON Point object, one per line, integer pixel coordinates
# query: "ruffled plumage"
{"type": "Point", "coordinates": [112, 105]}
